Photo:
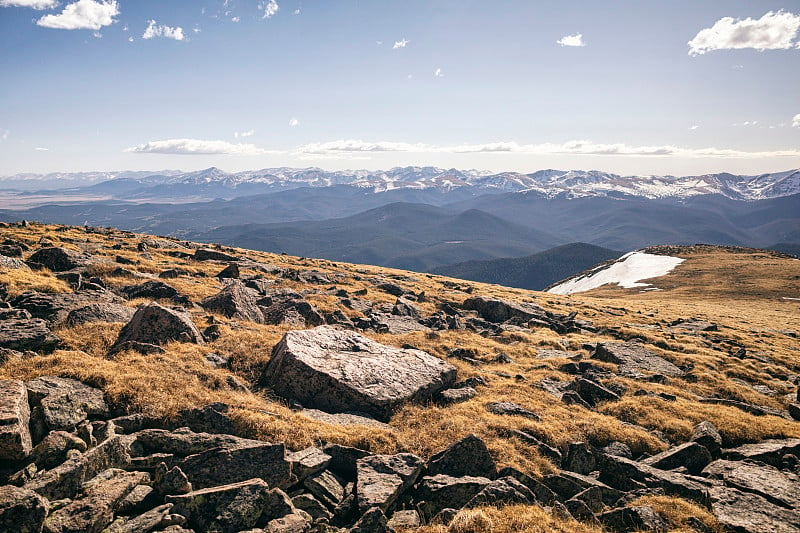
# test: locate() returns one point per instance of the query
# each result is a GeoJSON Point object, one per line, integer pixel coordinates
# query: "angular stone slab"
{"type": "Point", "coordinates": [60, 259]}
{"type": "Point", "coordinates": [780, 488]}
{"type": "Point", "coordinates": [466, 457]}
{"type": "Point", "coordinates": [220, 466]}
{"type": "Point", "coordinates": [15, 435]}
{"type": "Point", "coordinates": [768, 451]}
{"type": "Point", "coordinates": [381, 479]}
{"type": "Point", "coordinates": [21, 510]}
{"type": "Point", "coordinates": [750, 513]}
{"type": "Point", "coordinates": [235, 301]}
{"type": "Point", "coordinates": [27, 334]}
{"type": "Point", "coordinates": [65, 402]}
{"type": "Point", "coordinates": [337, 371]}
{"type": "Point", "coordinates": [447, 492]}
{"type": "Point", "coordinates": [634, 360]}
{"type": "Point", "coordinates": [156, 324]}
{"type": "Point", "coordinates": [227, 508]}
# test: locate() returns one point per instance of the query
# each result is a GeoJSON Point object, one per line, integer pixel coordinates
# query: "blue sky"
{"type": "Point", "coordinates": [679, 87]}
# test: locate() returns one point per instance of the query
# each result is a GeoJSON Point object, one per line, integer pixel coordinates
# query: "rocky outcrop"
{"type": "Point", "coordinates": [156, 324]}
{"type": "Point", "coordinates": [63, 403]}
{"type": "Point", "coordinates": [28, 334]}
{"type": "Point", "coordinates": [151, 290]}
{"type": "Point", "coordinates": [15, 436]}
{"type": "Point", "coordinates": [22, 510]}
{"type": "Point", "coordinates": [100, 312]}
{"type": "Point", "coordinates": [235, 301]}
{"type": "Point", "coordinates": [466, 457]}
{"type": "Point", "coordinates": [55, 307]}
{"type": "Point", "coordinates": [635, 360]}
{"type": "Point", "coordinates": [60, 259]}
{"type": "Point", "coordinates": [336, 370]}
{"type": "Point", "coordinates": [746, 512]}
{"type": "Point", "coordinates": [207, 254]}
{"type": "Point", "coordinates": [381, 479]}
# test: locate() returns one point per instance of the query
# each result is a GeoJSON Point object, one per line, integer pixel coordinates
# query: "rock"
{"type": "Point", "coordinates": [291, 523]}
{"type": "Point", "coordinates": [794, 411]}
{"type": "Point", "coordinates": [138, 500]}
{"type": "Point", "coordinates": [542, 492]}
{"type": "Point", "coordinates": [219, 466]}
{"type": "Point", "coordinates": [170, 480]}
{"type": "Point", "coordinates": [382, 478]}
{"type": "Point", "coordinates": [212, 418]}
{"type": "Point", "coordinates": [634, 359]}
{"type": "Point", "coordinates": [565, 487]}
{"type": "Point", "coordinates": [641, 518]}
{"type": "Point", "coordinates": [308, 462]}
{"type": "Point", "coordinates": [226, 508]}
{"type": "Point", "coordinates": [52, 451]}
{"type": "Point", "coordinates": [65, 402]}
{"type": "Point", "coordinates": [466, 457]}
{"type": "Point", "coordinates": [94, 509]}
{"type": "Point", "coordinates": [184, 442]}
{"type": "Point", "coordinates": [372, 521]}
{"type": "Point", "coordinates": [598, 496]}
{"type": "Point", "coordinates": [344, 459]}
{"type": "Point", "coordinates": [441, 491]}
{"type": "Point", "coordinates": [345, 419]}
{"type": "Point", "coordinates": [28, 334]}
{"type": "Point", "coordinates": [101, 312]}
{"type": "Point", "coordinates": [60, 259]}
{"type": "Point", "coordinates": [453, 396]}
{"type": "Point", "coordinates": [779, 488]}
{"type": "Point", "coordinates": [768, 451]}
{"type": "Point", "coordinates": [311, 505]}
{"type": "Point", "coordinates": [497, 310]}
{"type": "Point", "coordinates": [235, 301]}
{"type": "Point", "coordinates": [292, 311]}
{"type": "Point", "coordinates": [408, 519]}
{"type": "Point", "coordinates": [580, 458]}
{"type": "Point", "coordinates": [393, 324]}
{"type": "Point", "coordinates": [55, 307]}
{"type": "Point", "coordinates": [403, 307]}
{"type": "Point", "coordinates": [745, 512]}
{"type": "Point", "coordinates": [503, 491]}
{"type": "Point", "coordinates": [579, 509]}
{"type": "Point", "coordinates": [152, 290]}
{"type": "Point", "coordinates": [15, 436]}
{"type": "Point", "coordinates": [21, 510]}
{"type": "Point", "coordinates": [12, 263]}
{"type": "Point", "coordinates": [690, 455]}
{"type": "Point", "coordinates": [619, 449]}
{"type": "Point", "coordinates": [593, 393]}
{"type": "Point", "coordinates": [207, 254]}
{"type": "Point", "coordinates": [326, 487]}
{"type": "Point", "coordinates": [338, 370]}
{"type": "Point", "coordinates": [173, 273]}
{"type": "Point", "coordinates": [509, 408]}
{"type": "Point", "coordinates": [157, 518]}
{"type": "Point", "coordinates": [706, 434]}
{"type": "Point", "coordinates": [542, 447]}
{"type": "Point", "coordinates": [156, 324]}
{"type": "Point", "coordinates": [391, 288]}
{"type": "Point", "coordinates": [229, 272]}
{"type": "Point", "coordinates": [623, 474]}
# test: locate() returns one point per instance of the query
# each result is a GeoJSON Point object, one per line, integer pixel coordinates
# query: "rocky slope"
{"type": "Point", "coordinates": [151, 384]}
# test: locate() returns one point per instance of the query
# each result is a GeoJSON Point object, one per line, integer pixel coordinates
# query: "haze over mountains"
{"type": "Point", "coordinates": [423, 218]}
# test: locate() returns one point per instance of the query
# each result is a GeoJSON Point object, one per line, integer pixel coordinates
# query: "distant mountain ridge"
{"type": "Point", "coordinates": [550, 183]}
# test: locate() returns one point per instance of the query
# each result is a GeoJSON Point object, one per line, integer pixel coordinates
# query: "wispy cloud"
{"type": "Point", "coordinates": [235, 19]}
{"type": "Point", "coordinates": [82, 15]}
{"type": "Point", "coordinates": [270, 7]}
{"type": "Point", "coordinates": [296, 11]}
{"type": "Point", "coordinates": [773, 31]}
{"type": "Point", "coordinates": [438, 73]}
{"type": "Point", "coordinates": [693, 127]}
{"type": "Point", "coordinates": [402, 43]}
{"type": "Point", "coordinates": [155, 30]}
{"type": "Point", "coordinates": [248, 133]}
{"type": "Point", "coordinates": [33, 4]}
{"type": "Point", "coordinates": [293, 122]}
{"type": "Point", "coordinates": [42, 149]}
{"type": "Point", "coordinates": [195, 147]}
{"type": "Point", "coordinates": [4, 135]}
{"type": "Point", "coordinates": [796, 121]}
{"type": "Point", "coordinates": [572, 40]}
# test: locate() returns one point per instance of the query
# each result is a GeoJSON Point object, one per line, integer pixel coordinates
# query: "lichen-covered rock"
{"type": "Point", "coordinates": [503, 491]}
{"type": "Point", "coordinates": [60, 259]}
{"type": "Point", "coordinates": [219, 466]}
{"type": "Point", "coordinates": [769, 451]}
{"type": "Point", "coordinates": [21, 510]}
{"type": "Point", "coordinates": [689, 455]}
{"type": "Point", "coordinates": [156, 324]}
{"type": "Point", "coordinates": [207, 254]}
{"type": "Point", "coordinates": [235, 301]}
{"type": "Point", "coordinates": [382, 478]}
{"type": "Point", "coordinates": [336, 371]}
{"type": "Point", "coordinates": [52, 451]}
{"type": "Point", "coordinates": [634, 360]}
{"type": "Point", "coordinates": [497, 310]}
{"type": "Point", "coordinates": [746, 512]}
{"type": "Point", "coordinates": [64, 402]}
{"type": "Point", "coordinates": [641, 518]}
{"type": "Point", "coordinates": [155, 290]}
{"type": "Point", "coordinates": [776, 486]}
{"type": "Point", "coordinates": [447, 492]}
{"type": "Point", "coordinates": [27, 334]}
{"type": "Point", "coordinates": [466, 457]}
{"type": "Point", "coordinates": [100, 312]}
{"type": "Point", "coordinates": [15, 436]}
{"type": "Point", "coordinates": [55, 307]}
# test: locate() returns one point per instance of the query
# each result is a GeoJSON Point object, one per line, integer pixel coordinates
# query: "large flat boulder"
{"type": "Point", "coordinates": [381, 479]}
{"type": "Point", "coordinates": [780, 488]}
{"type": "Point", "coordinates": [497, 310]}
{"type": "Point", "coordinates": [635, 360]}
{"type": "Point", "coordinates": [60, 259]}
{"type": "Point", "coordinates": [745, 512]}
{"type": "Point", "coordinates": [235, 301]}
{"type": "Point", "coordinates": [55, 307]}
{"type": "Point", "coordinates": [15, 436]}
{"type": "Point", "coordinates": [28, 334]}
{"type": "Point", "coordinates": [21, 510]}
{"type": "Point", "coordinates": [63, 403]}
{"type": "Point", "coordinates": [157, 325]}
{"type": "Point", "coordinates": [337, 371]}
{"type": "Point", "coordinates": [100, 312]}
{"type": "Point", "coordinates": [219, 466]}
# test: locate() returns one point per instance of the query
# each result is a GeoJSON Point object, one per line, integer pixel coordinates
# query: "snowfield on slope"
{"type": "Point", "coordinates": [627, 272]}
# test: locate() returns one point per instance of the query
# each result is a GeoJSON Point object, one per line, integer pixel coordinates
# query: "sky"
{"type": "Point", "coordinates": [658, 87]}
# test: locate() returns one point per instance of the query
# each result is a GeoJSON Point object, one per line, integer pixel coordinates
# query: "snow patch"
{"type": "Point", "coordinates": [626, 272]}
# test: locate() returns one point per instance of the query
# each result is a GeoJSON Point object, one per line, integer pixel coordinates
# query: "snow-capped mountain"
{"type": "Point", "coordinates": [547, 183]}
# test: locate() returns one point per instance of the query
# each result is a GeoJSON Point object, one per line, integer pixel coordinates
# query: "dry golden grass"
{"type": "Point", "coordinates": [20, 280]}
{"type": "Point", "coordinates": [742, 293]}
{"type": "Point", "coordinates": [511, 519]}
{"type": "Point", "coordinates": [677, 512]}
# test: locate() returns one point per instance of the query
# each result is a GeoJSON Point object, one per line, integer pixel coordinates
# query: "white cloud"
{"type": "Point", "coordinates": [400, 44]}
{"type": "Point", "coordinates": [4, 135]}
{"type": "Point", "coordinates": [82, 15]}
{"type": "Point", "coordinates": [195, 147]}
{"type": "Point", "coordinates": [572, 40]}
{"type": "Point", "coordinates": [438, 73]}
{"type": "Point", "coordinates": [248, 133]}
{"type": "Point", "coordinates": [796, 121]}
{"type": "Point", "coordinates": [235, 19]}
{"type": "Point", "coordinates": [41, 149]}
{"type": "Point", "coordinates": [293, 122]}
{"type": "Point", "coordinates": [693, 127]}
{"type": "Point", "coordinates": [379, 43]}
{"type": "Point", "coordinates": [154, 30]}
{"type": "Point", "coordinates": [131, 39]}
{"type": "Point", "coordinates": [296, 12]}
{"type": "Point", "coordinates": [33, 4]}
{"type": "Point", "coordinates": [773, 31]}
{"type": "Point", "coordinates": [196, 30]}
{"type": "Point", "coordinates": [270, 7]}
{"type": "Point", "coordinates": [575, 147]}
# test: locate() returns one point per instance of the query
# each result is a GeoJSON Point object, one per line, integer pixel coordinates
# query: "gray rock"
{"type": "Point", "coordinates": [15, 436]}
{"type": "Point", "coordinates": [338, 370]}
{"type": "Point", "coordinates": [542, 492]}
{"type": "Point", "coordinates": [453, 396]}
{"type": "Point", "coordinates": [158, 518]}
{"type": "Point", "coordinates": [768, 451]}
{"type": "Point", "coordinates": [152, 290]}
{"type": "Point", "coordinates": [312, 506]}
{"type": "Point", "coordinates": [60, 259]}
{"type": "Point", "coordinates": [640, 518]}
{"type": "Point", "coordinates": [12, 263]}
{"type": "Point", "coordinates": [170, 480]}
{"type": "Point", "coordinates": [65, 402]}
{"type": "Point", "coordinates": [184, 442]}
{"type": "Point", "coordinates": [408, 519]}
{"type": "Point", "coordinates": [372, 521]}
{"type": "Point", "coordinates": [55, 307]}
{"type": "Point", "coordinates": [597, 497]}
{"type": "Point", "coordinates": [690, 455]}
{"type": "Point", "coordinates": [22, 510]}
{"type": "Point", "coordinates": [593, 392]}
{"type": "Point", "coordinates": [94, 509]}
{"type": "Point", "coordinates": [156, 324]}
{"type": "Point", "coordinates": [579, 509]}
{"type": "Point", "coordinates": [776, 486]}
{"type": "Point", "coordinates": [226, 508]}
{"type": "Point", "coordinates": [52, 451]}
{"type": "Point", "coordinates": [746, 512]}
{"type": "Point", "coordinates": [28, 334]}
{"type": "Point", "coordinates": [235, 301]}
{"type": "Point", "coordinates": [441, 491]}
{"type": "Point", "coordinates": [634, 360]}
{"type": "Point", "coordinates": [706, 434]}
{"type": "Point", "coordinates": [623, 474]}
{"type": "Point", "coordinates": [509, 408]}
{"type": "Point", "coordinates": [219, 466]}
{"type": "Point", "coordinates": [466, 457]}
{"type": "Point", "coordinates": [403, 307]}
{"type": "Point", "coordinates": [497, 310]}
{"type": "Point", "coordinates": [344, 459]}
{"type": "Point", "coordinates": [291, 523]}
{"type": "Point", "coordinates": [381, 479]}
{"type": "Point", "coordinates": [620, 449]}
{"type": "Point", "coordinates": [580, 458]}
{"type": "Point", "coordinates": [348, 418]}
{"type": "Point", "coordinates": [100, 312]}
{"type": "Point", "coordinates": [326, 487]}
{"type": "Point", "coordinates": [207, 254]}
{"type": "Point", "coordinates": [229, 272]}
{"type": "Point", "coordinates": [503, 491]}
{"type": "Point", "coordinates": [308, 462]}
